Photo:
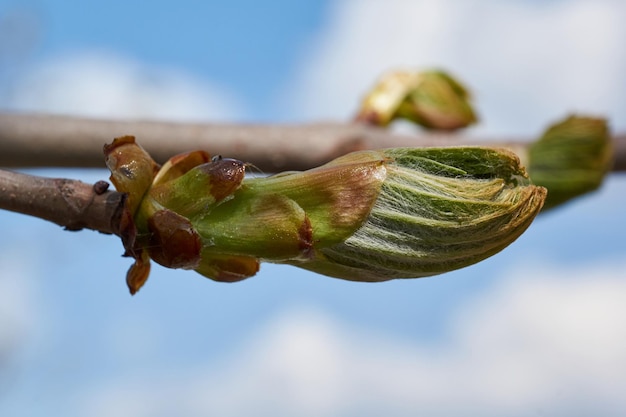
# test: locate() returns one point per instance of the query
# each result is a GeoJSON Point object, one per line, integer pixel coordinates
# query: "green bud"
{"type": "Point", "coordinates": [439, 209]}
{"type": "Point", "coordinates": [366, 216]}
{"type": "Point", "coordinates": [285, 216]}
{"type": "Point", "coordinates": [432, 99]}
{"type": "Point", "coordinates": [571, 158]}
{"type": "Point", "coordinates": [209, 183]}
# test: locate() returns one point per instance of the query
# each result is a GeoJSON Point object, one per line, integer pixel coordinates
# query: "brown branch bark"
{"type": "Point", "coordinates": [29, 140]}
{"type": "Point", "coordinates": [69, 203]}
{"type": "Point", "coordinates": [45, 140]}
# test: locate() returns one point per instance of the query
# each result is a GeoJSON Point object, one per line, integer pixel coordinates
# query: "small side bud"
{"type": "Point", "coordinates": [201, 187]}
{"type": "Point", "coordinates": [571, 158]}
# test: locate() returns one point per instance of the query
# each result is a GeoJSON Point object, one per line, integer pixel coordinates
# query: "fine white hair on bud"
{"type": "Point", "coordinates": [438, 210]}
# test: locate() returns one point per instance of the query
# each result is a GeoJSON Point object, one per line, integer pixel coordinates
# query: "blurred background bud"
{"type": "Point", "coordinates": [571, 158]}
{"type": "Point", "coordinates": [432, 99]}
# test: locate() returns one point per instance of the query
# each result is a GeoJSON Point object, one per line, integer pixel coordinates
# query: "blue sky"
{"type": "Point", "coordinates": [537, 329]}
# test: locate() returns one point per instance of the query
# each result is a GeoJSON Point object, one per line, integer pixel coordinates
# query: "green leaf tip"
{"type": "Point", "coordinates": [571, 158]}
{"type": "Point", "coordinates": [366, 216]}
{"type": "Point", "coordinates": [433, 99]}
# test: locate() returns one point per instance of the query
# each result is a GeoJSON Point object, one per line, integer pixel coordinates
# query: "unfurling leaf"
{"type": "Point", "coordinates": [366, 216]}
{"type": "Point", "coordinates": [432, 99]}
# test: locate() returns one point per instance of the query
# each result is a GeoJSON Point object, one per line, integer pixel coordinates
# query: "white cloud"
{"type": "Point", "coordinates": [106, 85]}
{"type": "Point", "coordinates": [545, 341]}
{"type": "Point", "coordinates": [528, 63]}
{"type": "Point", "coordinates": [18, 307]}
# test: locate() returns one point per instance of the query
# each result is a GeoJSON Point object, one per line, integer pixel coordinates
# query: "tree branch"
{"type": "Point", "coordinates": [29, 140]}
{"type": "Point", "coordinates": [68, 203]}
